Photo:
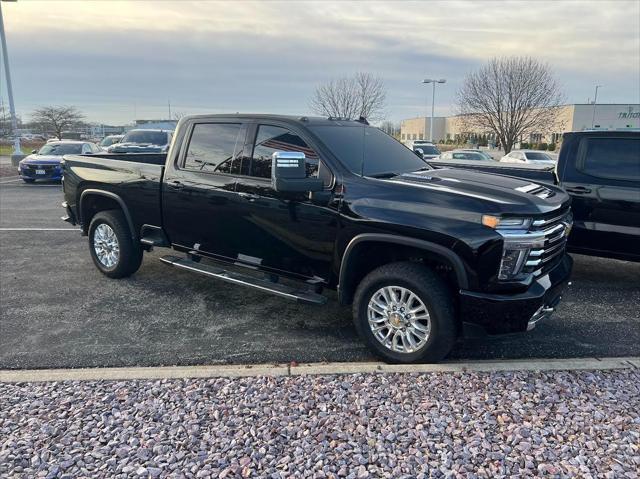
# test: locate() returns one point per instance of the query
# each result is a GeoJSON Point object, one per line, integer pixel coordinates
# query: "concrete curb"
{"type": "Point", "coordinates": [181, 372]}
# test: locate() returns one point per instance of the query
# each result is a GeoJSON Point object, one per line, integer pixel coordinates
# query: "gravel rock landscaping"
{"type": "Point", "coordinates": [555, 424]}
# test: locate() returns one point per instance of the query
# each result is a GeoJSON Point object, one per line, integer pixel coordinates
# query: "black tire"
{"type": "Point", "coordinates": [430, 289]}
{"type": "Point", "coordinates": [130, 252]}
{"type": "Point", "coordinates": [29, 180]}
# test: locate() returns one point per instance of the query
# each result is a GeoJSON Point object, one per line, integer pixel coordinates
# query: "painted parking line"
{"type": "Point", "coordinates": [39, 229]}
{"type": "Point", "coordinates": [244, 370]}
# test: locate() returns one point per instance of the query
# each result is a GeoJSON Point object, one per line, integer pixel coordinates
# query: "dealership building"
{"type": "Point", "coordinates": [576, 117]}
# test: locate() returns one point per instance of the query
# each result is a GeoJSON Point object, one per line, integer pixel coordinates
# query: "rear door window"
{"type": "Point", "coordinates": [215, 147]}
{"type": "Point", "coordinates": [614, 158]}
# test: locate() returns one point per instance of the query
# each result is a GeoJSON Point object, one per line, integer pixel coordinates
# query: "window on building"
{"type": "Point", "coordinates": [422, 136]}
{"type": "Point", "coordinates": [403, 136]}
{"type": "Point", "coordinates": [616, 158]}
{"type": "Point", "coordinates": [415, 136]}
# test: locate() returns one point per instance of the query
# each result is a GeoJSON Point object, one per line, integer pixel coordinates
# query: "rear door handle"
{"type": "Point", "coordinates": [249, 196]}
{"type": "Point", "coordinates": [578, 190]}
{"type": "Point", "coordinates": [176, 184]}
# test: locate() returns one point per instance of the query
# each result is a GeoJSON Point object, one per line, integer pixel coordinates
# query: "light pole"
{"type": "Point", "coordinates": [433, 101]}
{"type": "Point", "coordinates": [595, 100]}
{"type": "Point", "coordinates": [12, 108]}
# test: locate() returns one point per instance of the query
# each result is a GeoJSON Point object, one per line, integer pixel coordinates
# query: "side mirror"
{"type": "Point", "coordinates": [419, 152]}
{"type": "Point", "coordinates": [33, 152]}
{"type": "Point", "coordinates": [289, 173]}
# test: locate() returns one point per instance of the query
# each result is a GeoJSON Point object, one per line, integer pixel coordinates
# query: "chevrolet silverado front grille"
{"type": "Point", "coordinates": [555, 230]}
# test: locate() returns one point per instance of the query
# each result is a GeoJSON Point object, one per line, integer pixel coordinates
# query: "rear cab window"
{"type": "Point", "coordinates": [215, 147]}
{"type": "Point", "coordinates": [610, 158]}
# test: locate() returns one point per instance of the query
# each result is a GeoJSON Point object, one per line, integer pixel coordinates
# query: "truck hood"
{"type": "Point", "coordinates": [498, 193]}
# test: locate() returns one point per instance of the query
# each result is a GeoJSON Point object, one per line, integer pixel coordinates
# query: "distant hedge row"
{"type": "Point", "coordinates": [538, 146]}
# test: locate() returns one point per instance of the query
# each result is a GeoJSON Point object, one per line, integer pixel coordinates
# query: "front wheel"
{"type": "Point", "coordinates": [404, 312]}
{"type": "Point", "coordinates": [113, 250]}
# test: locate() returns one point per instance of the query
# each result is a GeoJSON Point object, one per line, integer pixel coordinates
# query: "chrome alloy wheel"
{"type": "Point", "coordinates": [105, 244]}
{"type": "Point", "coordinates": [398, 319]}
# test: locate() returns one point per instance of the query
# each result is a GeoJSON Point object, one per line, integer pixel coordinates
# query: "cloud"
{"type": "Point", "coordinates": [111, 58]}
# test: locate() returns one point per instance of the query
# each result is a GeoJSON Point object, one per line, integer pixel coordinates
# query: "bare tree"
{"type": "Point", "coordinates": [362, 95]}
{"type": "Point", "coordinates": [510, 97]}
{"type": "Point", "coordinates": [390, 128]}
{"type": "Point", "coordinates": [57, 118]}
{"type": "Point", "coordinates": [178, 115]}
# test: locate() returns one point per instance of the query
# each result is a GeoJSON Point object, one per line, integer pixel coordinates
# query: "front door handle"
{"type": "Point", "coordinates": [249, 196]}
{"type": "Point", "coordinates": [578, 190]}
{"type": "Point", "coordinates": [176, 184]}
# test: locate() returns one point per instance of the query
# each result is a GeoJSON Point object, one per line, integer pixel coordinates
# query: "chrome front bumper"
{"type": "Point", "coordinates": [543, 312]}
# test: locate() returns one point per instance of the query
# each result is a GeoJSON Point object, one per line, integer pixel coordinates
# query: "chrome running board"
{"type": "Point", "coordinates": [285, 291]}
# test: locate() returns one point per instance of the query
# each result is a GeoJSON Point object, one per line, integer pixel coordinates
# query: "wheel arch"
{"type": "Point", "coordinates": [352, 269]}
{"type": "Point", "coordinates": [94, 200]}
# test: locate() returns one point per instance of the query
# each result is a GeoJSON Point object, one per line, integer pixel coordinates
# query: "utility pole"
{"type": "Point", "coordinates": [595, 100]}
{"type": "Point", "coordinates": [169, 102]}
{"type": "Point", "coordinates": [12, 108]}
{"type": "Point", "coordinates": [433, 102]}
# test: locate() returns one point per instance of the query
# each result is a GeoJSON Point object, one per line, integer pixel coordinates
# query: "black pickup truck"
{"type": "Point", "coordinates": [601, 172]}
{"type": "Point", "coordinates": [293, 205]}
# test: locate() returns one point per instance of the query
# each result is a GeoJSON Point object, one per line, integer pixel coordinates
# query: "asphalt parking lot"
{"type": "Point", "coordinates": [59, 311]}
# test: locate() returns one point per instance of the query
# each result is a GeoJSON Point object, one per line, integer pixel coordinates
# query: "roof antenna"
{"type": "Point", "coordinates": [362, 119]}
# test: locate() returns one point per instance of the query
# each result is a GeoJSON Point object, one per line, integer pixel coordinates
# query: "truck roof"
{"type": "Point", "coordinates": [302, 119]}
{"type": "Point", "coordinates": [625, 132]}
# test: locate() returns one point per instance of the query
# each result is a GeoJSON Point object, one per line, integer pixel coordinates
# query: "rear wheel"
{"type": "Point", "coordinates": [113, 250]}
{"type": "Point", "coordinates": [404, 312]}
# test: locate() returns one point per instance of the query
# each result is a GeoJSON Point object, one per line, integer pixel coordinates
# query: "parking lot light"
{"type": "Point", "coordinates": [433, 101]}
{"type": "Point", "coordinates": [12, 108]}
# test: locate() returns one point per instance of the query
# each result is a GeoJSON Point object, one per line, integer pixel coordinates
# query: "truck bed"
{"type": "Point", "coordinates": [135, 178]}
{"type": "Point", "coordinates": [542, 174]}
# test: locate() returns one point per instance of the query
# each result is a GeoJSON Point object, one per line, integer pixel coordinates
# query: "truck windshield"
{"type": "Point", "coordinates": [147, 137]}
{"type": "Point", "coordinates": [367, 150]}
{"type": "Point", "coordinates": [110, 140]}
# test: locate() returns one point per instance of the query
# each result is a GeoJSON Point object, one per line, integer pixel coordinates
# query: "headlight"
{"type": "Point", "coordinates": [511, 263]}
{"type": "Point", "coordinates": [496, 222]}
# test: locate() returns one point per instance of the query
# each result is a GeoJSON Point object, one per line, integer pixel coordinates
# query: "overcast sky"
{"type": "Point", "coordinates": [116, 60]}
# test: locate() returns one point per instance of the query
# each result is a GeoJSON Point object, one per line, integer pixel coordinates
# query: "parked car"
{"type": "Point", "coordinates": [143, 141]}
{"type": "Point", "coordinates": [486, 155]}
{"type": "Point", "coordinates": [109, 140]}
{"type": "Point", "coordinates": [427, 151]}
{"type": "Point", "coordinates": [44, 164]}
{"type": "Point", "coordinates": [321, 203]}
{"type": "Point", "coordinates": [601, 172]}
{"type": "Point", "coordinates": [528, 156]}
{"type": "Point", "coordinates": [413, 144]}
{"type": "Point", "coordinates": [464, 155]}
